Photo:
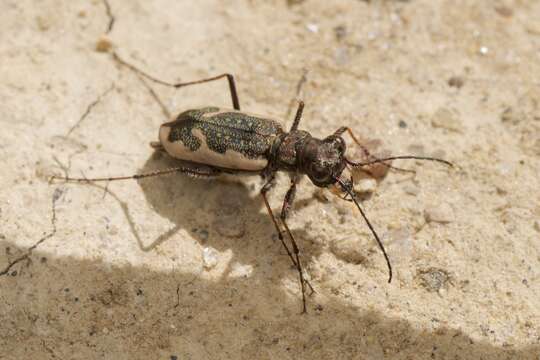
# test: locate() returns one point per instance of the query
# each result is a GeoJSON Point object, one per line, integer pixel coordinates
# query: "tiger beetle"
{"type": "Point", "coordinates": [211, 141]}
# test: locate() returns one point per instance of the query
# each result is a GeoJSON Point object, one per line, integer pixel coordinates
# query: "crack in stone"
{"type": "Point", "coordinates": [89, 109]}
{"type": "Point", "coordinates": [56, 195]}
{"type": "Point", "coordinates": [110, 16]}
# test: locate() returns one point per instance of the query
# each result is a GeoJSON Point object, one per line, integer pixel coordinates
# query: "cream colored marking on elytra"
{"type": "Point", "coordinates": [204, 155]}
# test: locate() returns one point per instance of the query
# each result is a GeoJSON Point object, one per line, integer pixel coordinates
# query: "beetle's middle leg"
{"type": "Point", "coordinates": [298, 116]}
{"type": "Point", "coordinates": [266, 187]}
{"type": "Point", "coordinates": [230, 79]}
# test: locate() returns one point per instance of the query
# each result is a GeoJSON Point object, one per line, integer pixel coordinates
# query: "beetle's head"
{"type": "Point", "coordinates": [323, 160]}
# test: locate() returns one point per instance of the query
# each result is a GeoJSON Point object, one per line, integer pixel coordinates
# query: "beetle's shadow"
{"type": "Point", "coordinates": [222, 214]}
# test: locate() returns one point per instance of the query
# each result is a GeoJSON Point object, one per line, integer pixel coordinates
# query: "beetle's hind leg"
{"type": "Point", "coordinates": [189, 169]}
{"type": "Point", "coordinates": [230, 79]}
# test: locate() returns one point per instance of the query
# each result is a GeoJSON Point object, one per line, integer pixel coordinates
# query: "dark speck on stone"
{"type": "Point", "coordinates": [57, 193]}
{"type": "Point", "coordinates": [174, 357]}
{"type": "Point", "coordinates": [14, 273]}
{"type": "Point", "coordinates": [340, 32]}
{"type": "Point", "coordinates": [456, 81]}
{"type": "Point", "coordinates": [402, 124]}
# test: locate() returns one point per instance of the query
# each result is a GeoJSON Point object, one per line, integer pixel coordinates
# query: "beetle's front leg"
{"type": "Point", "coordinates": [266, 187]}
{"type": "Point", "coordinates": [365, 151]}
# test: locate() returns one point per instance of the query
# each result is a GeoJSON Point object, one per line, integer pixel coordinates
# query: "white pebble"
{"type": "Point", "coordinates": [366, 185]}
{"type": "Point", "coordinates": [210, 258]}
{"type": "Point", "coordinates": [313, 28]}
{"type": "Point", "coordinates": [239, 270]}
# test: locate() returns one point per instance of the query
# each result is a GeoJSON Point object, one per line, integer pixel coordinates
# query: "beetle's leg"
{"type": "Point", "coordinates": [287, 203]}
{"type": "Point", "coordinates": [192, 171]}
{"type": "Point", "coordinates": [230, 79]}
{"type": "Point", "coordinates": [298, 116]}
{"type": "Point", "coordinates": [267, 186]}
{"type": "Point", "coordinates": [366, 152]}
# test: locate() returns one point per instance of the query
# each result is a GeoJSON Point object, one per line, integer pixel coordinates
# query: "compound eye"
{"type": "Point", "coordinates": [337, 142]}
{"type": "Point", "coordinates": [340, 144]}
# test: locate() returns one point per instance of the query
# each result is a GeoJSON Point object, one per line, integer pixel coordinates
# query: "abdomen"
{"type": "Point", "coordinates": [223, 138]}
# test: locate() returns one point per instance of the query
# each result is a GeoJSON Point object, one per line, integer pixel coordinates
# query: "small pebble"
{"type": "Point", "coordinates": [103, 44]}
{"type": "Point", "coordinates": [312, 28]}
{"type": "Point", "coordinates": [456, 81]}
{"type": "Point", "coordinates": [433, 279]}
{"type": "Point", "coordinates": [441, 213]}
{"type": "Point", "coordinates": [447, 119]}
{"type": "Point", "coordinates": [240, 271]}
{"type": "Point", "coordinates": [484, 50]}
{"type": "Point", "coordinates": [210, 258]}
{"type": "Point", "coordinates": [367, 185]}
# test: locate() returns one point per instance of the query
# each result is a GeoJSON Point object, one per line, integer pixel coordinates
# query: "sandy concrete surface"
{"type": "Point", "coordinates": [179, 268]}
